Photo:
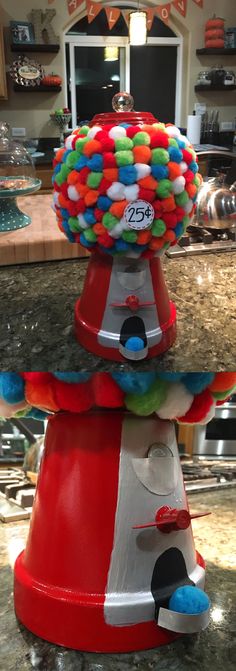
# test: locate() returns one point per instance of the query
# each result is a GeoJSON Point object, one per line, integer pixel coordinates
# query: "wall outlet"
{"type": "Point", "coordinates": [18, 132]}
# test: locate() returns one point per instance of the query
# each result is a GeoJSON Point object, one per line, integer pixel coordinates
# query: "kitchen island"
{"type": "Point", "coordinates": [37, 305]}
{"type": "Point", "coordinates": [214, 648]}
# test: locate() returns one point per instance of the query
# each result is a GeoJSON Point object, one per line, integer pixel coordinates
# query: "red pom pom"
{"type": "Point", "coordinates": [159, 139]}
{"type": "Point", "coordinates": [103, 186]}
{"type": "Point", "coordinates": [106, 392]}
{"type": "Point", "coordinates": [107, 142]}
{"type": "Point", "coordinates": [180, 213]}
{"type": "Point", "coordinates": [147, 194]}
{"type": "Point", "coordinates": [54, 163]}
{"type": "Point", "coordinates": [170, 219]}
{"type": "Point", "coordinates": [199, 409]}
{"type": "Point", "coordinates": [64, 189]}
{"type": "Point", "coordinates": [109, 160]}
{"type": "Point", "coordinates": [132, 130]}
{"type": "Point", "coordinates": [108, 126]}
{"type": "Point", "coordinates": [74, 140]}
{"type": "Point", "coordinates": [80, 206]}
{"type": "Point", "coordinates": [157, 204]}
{"type": "Point", "coordinates": [98, 214]}
{"type": "Point", "coordinates": [105, 240]}
{"type": "Point", "coordinates": [72, 208]}
{"type": "Point", "coordinates": [56, 186]}
{"type": "Point", "coordinates": [187, 156]}
{"type": "Point", "coordinates": [40, 378]}
{"type": "Point", "coordinates": [188, 176]}
{"type": "Point", "coordinates": [73, 397]}
{"type": "Point", "coordinates": [83, 174]}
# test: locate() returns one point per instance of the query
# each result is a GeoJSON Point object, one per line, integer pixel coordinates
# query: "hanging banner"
{"type": "Point", "coordinates": [181, 6]}
{"type": "Point", "coordinates": [113, 15]}
{"type": "Point", "coordinates": [72, 5]}
{"type": "Point", "coordinates": [198, 2]}
{"type": "Point", "coordinates": [93, 9]}
{"type": "Point", "coordinates": [125, 14]}
{"type": "Point", "coordinates": [150, 17]}
{"type": "Point", "coordinates": [164, 12]}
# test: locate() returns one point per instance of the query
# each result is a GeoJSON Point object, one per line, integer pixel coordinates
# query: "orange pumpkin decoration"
{"type": "Point", "coordinates": [215, 22]}
{"type": "Point", "coordinates": [214, 44]}
{"type": "Point", "coordinates": [214, 33]}
{"type": "Point", "coordinates": [51, 80]}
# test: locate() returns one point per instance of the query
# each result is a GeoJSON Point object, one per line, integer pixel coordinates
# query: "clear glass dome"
{"type": "Point", "coordinates": [17, 171]}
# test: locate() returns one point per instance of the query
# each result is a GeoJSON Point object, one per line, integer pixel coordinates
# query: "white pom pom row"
{"type": "Point", "coordinates": [93, 131]}
{"type": "Point", "coordinates": [73, 193]}
{"type": "Point", "coordinates": [142, 169]}
{"type": "Point", "coordinates": [183, 167]}
{"type": "Point", "coordinates": [82, 222]}
{"type": "Point", "coordinates": [118, 229]}
{"type": "Point", "coordinates": [116, 191]}
{"type": "Point", "coordinates": [131, 192]}
{"type": "Point", "coordinates": [172, 131]}
{"type": "Point", "coordinates": [188, 207]}
{"type": "Point", "coordinates": [177, 403]}
{"type": "Point", "coordinates": [178, 184]}
{"type": "Point", "coordinates": [68, 142]}
{"type": "Point", "coordinates": [117, 132]}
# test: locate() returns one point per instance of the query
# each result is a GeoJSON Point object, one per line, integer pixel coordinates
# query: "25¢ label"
{"type": "Point", "coordinates": [139, 215]}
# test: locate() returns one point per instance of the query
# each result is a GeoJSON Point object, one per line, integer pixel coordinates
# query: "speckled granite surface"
{"type": "Point", "coordinates": [37, 303]}
{"type": "Point", "coordinates": [214, 648]}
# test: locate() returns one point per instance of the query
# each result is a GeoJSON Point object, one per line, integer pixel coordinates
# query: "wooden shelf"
{"type": "Point", "coordinates": [48, 48]}
{"type": "Point", "coordinates": [36, 89]}
{"type": "Point", "coordinates": [231, 87]}
{"type": "Point", "coordinates": [216, 52]}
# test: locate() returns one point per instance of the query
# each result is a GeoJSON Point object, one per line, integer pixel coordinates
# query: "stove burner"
{"type": "Point", "coordinates": [199, 475]}
{"type": "Point", "coordinates": [198, 240]}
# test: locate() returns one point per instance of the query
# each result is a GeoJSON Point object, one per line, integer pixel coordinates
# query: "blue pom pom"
{"type": "Point", "coordinates": [134, 344]}
{"type": "Point", "coordinates": [181, 143]}
{"type": "Point", "coordinates": [37, 414]}
{"type": "Point", "coordinates": [89, 216]}
{"type": "Point", "coordinates": [134, 383]}
{"type": "Point", "coordinates": [159, 171]}
{"type": "Point", "coordinates": [72, 377]}
{"type": "Point", "coordinates": [65, 213]}
{"type": "Point", "coordinates": [85, 242]}
{"type": "Point", "coordinates": [122, 246]}
{"type": "Point", "coordinates": [104, 203]}
{"type": "Point", "coordinates": [128, 174]}
{"type": "Point", "coordinates": [11, 387]}
{"type": "Point", "coordinates": [189, 599]}
{"type": "Point", "coordinates": [81, 163]}
{"type": "Point", "coordinates": [193, 166]}
{"type": "Point", "coordinates": [197, 382]}
{"type": "Point", "coordinates": [179, 229]}
{"type": "Point", "coordinates": [138, 248]}
{"type": "Point", "coordinates": [175, 154]}
{"type": "Point", "coordinates": [67, 230]}
{"type": "Point", "coordinates": [171, 377]}
{"type": "Point", "coordinates": [125, 125]}
{"type": "Point", "coordinates": [96, 163]}
{"type": "Point", "coordinates": [65, 155]}
{"type": "Point", "coordinates": [57, 168]}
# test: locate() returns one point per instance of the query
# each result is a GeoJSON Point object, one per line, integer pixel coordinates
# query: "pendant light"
{"type": "Point", "coordinates": [111, 53]}
{"type": "Point", "coordinates": [138, 27]}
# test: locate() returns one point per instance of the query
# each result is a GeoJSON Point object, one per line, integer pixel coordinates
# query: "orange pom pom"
{"type": "Point", "coordinates": [142, 154]}
{"type": "Point", "coordinates": [91, 197]}
{"type": "Point", "coordinates": [111, 174]}
{"type": "Point", "coordinates": [117, 209]}
{"type": "Point", "coordinates": [169, 236]}
{"type": "Point", "coordinates": [191, 190]}
{"type": "Point", "coordinates": [156, 243]}
{"type": "Point", "coordinates": [62, 200]}
{"type": "Point", "coordinates": [82, 189]}
{"type": "Point", "coordinates": [223, 382]}
{"type": "Point", "coordinates": [149, 129]}
{"type": "Point", "coordinates": [99, 229]}
{"type": "Point", "coordinates": [41, 395]}
{"type": "Point", "coordinates": [59, 154]}
{"type": "Point", "coordinates": [92, 147]}
{"type": "Point", "coordinates": [144, 237]}
{"type": "Point", "coordinates": [73, 177]}
{"type": "Point", "coordinates": [174, 170]}
{"type": "Point", "coordinates": [168, 204]}
{"type": "Point", "coordinates": [148, 183]}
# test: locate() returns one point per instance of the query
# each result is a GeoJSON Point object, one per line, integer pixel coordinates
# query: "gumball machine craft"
{"type": "Point", "coordinates": [125, 189]}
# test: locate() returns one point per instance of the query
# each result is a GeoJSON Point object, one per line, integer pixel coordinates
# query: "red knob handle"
{"type": "Point", "coordinates": [172, 519]}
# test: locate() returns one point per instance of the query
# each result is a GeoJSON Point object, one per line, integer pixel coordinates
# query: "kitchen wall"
{"type": "Point", "coordinates": [32, 110]}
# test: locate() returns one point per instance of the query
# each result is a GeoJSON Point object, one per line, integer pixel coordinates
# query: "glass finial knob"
{"type": "Point", "coordinates": [122, 102]}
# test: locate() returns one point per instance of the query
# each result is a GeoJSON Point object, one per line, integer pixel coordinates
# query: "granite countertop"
{"type": "Point", "coordinates": [214, 648]}
{"type": "Point", "coordinates": [37, 304]}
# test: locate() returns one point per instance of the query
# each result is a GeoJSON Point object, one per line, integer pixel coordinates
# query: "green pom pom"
{"type": "Point", "coordinates": [220, 395]}
{"type": "Point", "coordinates": [62, 175]}
{"type": "Point", "coordinates": [160, 156]}
{"type": "Point", "coordinates": [74, 224]}
{"type": "Point", "coordinates": [173, 143]}
{"type": "Point", "coordinates": [191, 150]}
{"type": "Point", "coordinates": [129, 236]}
{"type": "Point", "coordinates": [158, 227]}
{"type": "Point", "coordinates": [94, 179]}
{"type": "Point", "coordinates": [151, 401]}
{"type": "Point", "coordinates": [182, 198]}
{"type": "Point", "coordinates": [186, 221]}
{"type": "Point", "coordinates": [124, 157]}
{"type": "Point", "coordinates": [197, 181]}
{"type": "Point", "coordinates": [164, 188]}
{"type": "Point", "coordinates": [84, 130]}
{"type": "Point", "coordinates": [79, 145]}
{"type": "Point", "coordinates": [123, 143]}
{"type": "Point", "coordinates": [72, 159]}
{"type": "Point", "coordinates": [109, 221]}
{"type": "Point", "coordinates": [90, 235]}
{"type": "Point", "coordinates": [141, 138]}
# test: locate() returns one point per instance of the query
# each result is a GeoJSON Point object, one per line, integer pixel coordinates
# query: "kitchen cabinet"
{"type": "Point", "coordinates": [3, 81]}
{"type": "Point", "coordinates": [185, 439]}
{"type": "Point", "coordinates": [44, 172]}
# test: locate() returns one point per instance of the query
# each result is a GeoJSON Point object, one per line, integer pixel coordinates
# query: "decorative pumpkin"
{"type": "Point", "coordinates": [214, 33]}
{"type": "Point", "coordinates": [214, 44]}
{"type": "Point", "coordinates": [51, 80]}
{"type": "Point", "coordinates": [215, 22]}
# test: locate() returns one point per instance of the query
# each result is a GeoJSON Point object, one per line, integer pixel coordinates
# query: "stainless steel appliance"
{"type": "Point", "coordinates": [217, 440]}
{"type": "Point", "coordinates": [203, 475]}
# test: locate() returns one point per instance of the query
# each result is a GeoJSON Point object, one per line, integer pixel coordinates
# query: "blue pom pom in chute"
{"type": "Point", "coordinates": [134, 344]}
{"type": "Point", "coordinates": [189, 599]}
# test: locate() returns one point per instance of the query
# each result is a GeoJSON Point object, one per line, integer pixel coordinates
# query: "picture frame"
{"type": "Point", "coordinates": [22, 32]}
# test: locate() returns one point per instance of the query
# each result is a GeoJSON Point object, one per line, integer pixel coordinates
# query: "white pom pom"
{"type": "Point", "coordinates": [177, 403]}
{"type": "Point", "coordinates": [183, 138]}
{"type": "Point", "coordinates": [93, 131]}
{"type": "Point", "coordinates": [116, 191]}
{"type": "Point", "coordinates": [178, 184]}
{"type": "Point", "coordinates": [73, 193]}
{"type": "Point", "coordinates": [131, 192]}
{"type": "Point", "coordinates": [68, 142]}
{"type": "Point", "coordinates": [143, 170]}
{"type": "Point", "coordinates": [117, 132]}
{"type": "Point", "coordinates": [172, 131]}
{"type": "Point", "coordinates": [82, 222]}
{"type": "Point", "coordinates": [118, 229]}
{"type": "Point", "coordinates": [56, 198]}
{"type": "Point", "coordinates": [188, 207]}
{"type": "Point", "coordinates": [183, 167]}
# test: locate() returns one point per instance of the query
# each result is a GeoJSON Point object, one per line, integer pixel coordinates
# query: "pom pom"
{"type": "Point", "coordinates": [106, 391]}
{"type": "Point", "coordinates": [116, 191]}
{"type": "Point", "coordinates": [199, 409]}
{"type": "Point", "coordinates": [73, 193]}
{"type": "Point", "coordinates": [150, 401]}
{"type": "Point", "coordinates": [128, 174]}
{"type": "Point", "coordinates": [160, 156]}
{"type": "Point", "coordinates": [159, 139]}
{"type": "Point", "coordinates": [117, 132]}
{"type": "Point", "coordinates": [164, 188]}
{"type": "Point", "coordinates": [178, 401]}
{"type": "Point", "coordinates": [94, 179]}
{"type": "Point", "coordinates": [104, 203]}
{"type": "Point", "coordinates": [75, 398]}
{"type": "Point", "coordinates": [158, 227]}
{"type": "Point", "coordinates": [141, 154]}
{"type": "Point", "coordinates": [134, 383]}
{"type": "Point", "coordinates": [197, 382]}
{"type": "Point", "coordinates": [134, 344]}
{"type": "Point", "coordinates": [95, 163]}
{"type": "Point", "coordinates": [142, 170]}
{"type": "Point", "coordinates": [175, 154]}
{"type": "Point", "coordinates": [223, 381]}
{"type": "Point", "coordinates": [72, 377]}
{"type": "Point", "coordinates": [189, 599]}
{"type": "Point", "coordinates": [41, 395]}
{"type": "Point", "coordinates": [178, 184]}
{"type": "Point", "coordinates": [12, 387]}
{"type": "Point", "coordinates": [93, 131]}
{"type": "Point", "coordinates": [124, 157]}
{"type": "Point", "coordinates": [131, 192]}
{"type": "Point", "coordinates": [123, 143]}
{"type": "Point", "coordinates": [141, 138]}
{"type": "Point", "coordinates": [172, 131]}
